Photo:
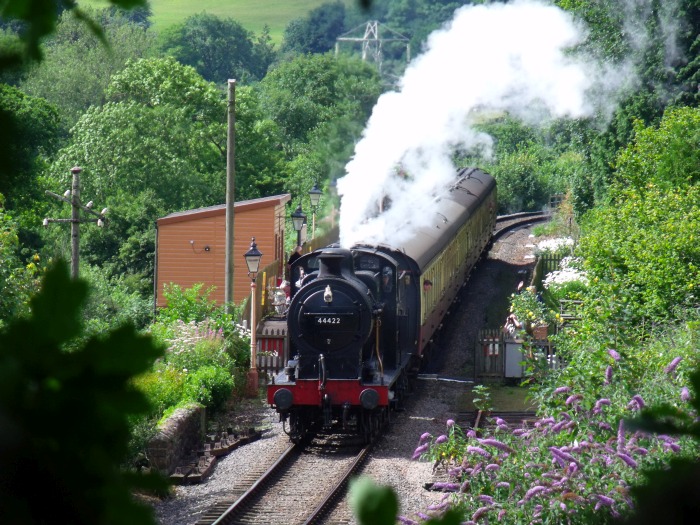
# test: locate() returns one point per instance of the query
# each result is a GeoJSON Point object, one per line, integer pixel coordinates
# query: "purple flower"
{"type": "Point", "coordinates": [405, 521]}
{"type": "Point", "coordinates": [501, 514]}
{"type": "Point", "coordinates": [496, 444]}
{"type": "Point", "coordinates": [621, 436]}
{"type": "Point", "coordinates": [614, 354]}
{"type": "Point", "coordinates": [450, 423]}
{"type": "Point", "coordinates": [425, 436]}
{"type": "Point", "coordinates": [605, 500]}
{"type": "Point", "coordinates": [608, 375]}
{"type": "Point", "coordinates": [502, 485]}
{"type": "Point", "coordinates": [639, 400]}
{"type": "Point", "coordinates": [685, 394]}
{"type": "Point", "coordinates": [624, 457]}
{"type": "Point", "coordinates": [545, 421]}
{"type": "Point", "coordinates": [574, 399]}
{"type": "Point", "coordinates": [480, 512]}
{"type": "Point", "coordinates": [441, 439]}
{"type": "Point", "coordinates": [533, 492]}
{"type": "Point", "coordinates": [557, 428]}
{"type": "Point", "coordinates": [445, 487]}
{"type": "Point", "coordinates": [601, 402]}
{"type": "Point", "coordinates": [565, 456]}
{"type": "Point", "coordinates": [562, 390]}
{"type": "Point", "coordinates": [673, 446]}
{"type": "Point", "coordinates": [486, 499]}
{"type": "Point", "coordinates": [478, 450]}
{"type": "Point", "coordinates": [604, 425]}
{"type": "Point", "coordinates": [471, 434]}
{"type": "Point", "coordinates": [419, 451]}
{"type": "Point", "coordinates": [673, 364]}
{"type": "Point", "coordinates": [492, 467]}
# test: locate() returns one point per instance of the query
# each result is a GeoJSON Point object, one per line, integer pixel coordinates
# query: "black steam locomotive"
{"type": "Point", "coordinates": [362, 317]}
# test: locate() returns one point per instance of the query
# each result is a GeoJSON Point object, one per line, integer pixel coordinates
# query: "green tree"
{"type": "Point", "coordinates": [315, 33]}
{"type": "Point", "coordinates": [77, 66]}
{"type": "Point", "coordinates": [34, 126]}
{"type": "Point", "coordinates": [667, 155]}
{"type": "Point", "coordinates": [38, 19]}
{"type": "Point", "coordinates": [18, 282]}
{"type": "Point", "coordinates": [303, 93]}
{"type": "Point", "coordinates": [218, 48]}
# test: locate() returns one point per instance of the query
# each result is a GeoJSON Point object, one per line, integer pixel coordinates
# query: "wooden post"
{"type": "Point", "coordinates": [75, 223]}
{"type": "Point", "coordinates": [230, 194]}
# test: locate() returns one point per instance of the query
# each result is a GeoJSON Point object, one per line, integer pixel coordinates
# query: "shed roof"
{"type": "Point", "coordinates": [220, 209]}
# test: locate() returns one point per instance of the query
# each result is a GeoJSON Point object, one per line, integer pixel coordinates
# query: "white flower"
{"type": "Point", "coordinates": [555, 245]}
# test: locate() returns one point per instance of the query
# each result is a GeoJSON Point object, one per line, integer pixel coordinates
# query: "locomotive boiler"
{"type": "Point", "coordinates": [361, 318]}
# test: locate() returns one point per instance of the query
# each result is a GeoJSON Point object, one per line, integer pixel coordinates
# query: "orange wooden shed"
{"type": "Point", "coordinates": [191, 246]}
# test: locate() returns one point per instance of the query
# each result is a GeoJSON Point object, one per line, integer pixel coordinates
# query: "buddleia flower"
{"type": "Point", "coordinates": [673, 364]}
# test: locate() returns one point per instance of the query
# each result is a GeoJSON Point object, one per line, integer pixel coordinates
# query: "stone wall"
{"type": "Point", "coordinates": [178, 437]}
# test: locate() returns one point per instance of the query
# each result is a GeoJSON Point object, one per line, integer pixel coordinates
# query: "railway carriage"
{"type": "Point", "coordinates": [361, 318]}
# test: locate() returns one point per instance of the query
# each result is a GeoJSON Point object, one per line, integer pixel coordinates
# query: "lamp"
{"type": "Point", "coordinates": [252, 260]}
{"type": "Point", "coordinates": [298, 219]}
{"type": "Point", "coordinates": [315, 198]}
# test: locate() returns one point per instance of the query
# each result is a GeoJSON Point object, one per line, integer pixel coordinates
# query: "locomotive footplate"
{"type": "Point", "coordinates": [339, 392]}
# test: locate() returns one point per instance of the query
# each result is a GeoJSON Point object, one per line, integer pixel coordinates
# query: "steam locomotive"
{"type": "Point", "coordinates": [362, 318]}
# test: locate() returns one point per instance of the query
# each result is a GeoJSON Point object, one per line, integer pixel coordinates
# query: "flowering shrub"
{"type": "Point", "coordinates": [195, 344]}
{"type": "Point", "coordinates": [568, 282]}
{"type": "Point", "coordinates": [529, 309]}
{"type": "Point", "coordinates": [560, 469]}
{"type": "Point", "coordinates": [581, 457]}
{"type": "Point", "coordinates": [558, 246]}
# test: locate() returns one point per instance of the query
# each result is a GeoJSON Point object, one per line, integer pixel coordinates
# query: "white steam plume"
{"type": "Point", "coordinates": [506, 57]}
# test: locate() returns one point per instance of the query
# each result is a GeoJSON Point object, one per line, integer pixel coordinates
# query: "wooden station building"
{"type": "Point", "coordinates": [191, 247]}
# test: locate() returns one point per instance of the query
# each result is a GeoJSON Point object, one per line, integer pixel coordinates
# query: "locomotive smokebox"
{"type": "Point", "coordinates": [331, 315]}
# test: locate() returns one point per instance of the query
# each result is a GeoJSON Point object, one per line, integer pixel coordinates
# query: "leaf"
{"type": "Point", "coordinates": [371, 504]}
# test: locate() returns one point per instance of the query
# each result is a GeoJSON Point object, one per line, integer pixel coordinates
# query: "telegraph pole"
{"type": "Point", "coordinates": [230, 194]}
{"type": "Point", "coordinates": [72, 197]}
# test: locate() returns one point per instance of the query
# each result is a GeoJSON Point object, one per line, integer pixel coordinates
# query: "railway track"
{"type": "Point", "coordinates": [291, 490]}
{"type": "Point", "coordinates": [508, 223]}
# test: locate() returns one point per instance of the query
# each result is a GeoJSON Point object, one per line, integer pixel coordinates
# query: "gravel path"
{"type": "Point", "coordinates": [483, 305]}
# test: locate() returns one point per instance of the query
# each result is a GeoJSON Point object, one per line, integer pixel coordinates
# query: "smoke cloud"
{"type": "Point", "coordinates": [498, 57]}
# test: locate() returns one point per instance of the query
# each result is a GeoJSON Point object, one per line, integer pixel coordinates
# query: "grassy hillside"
{"type": "Point", "coordinates": [251, 14]}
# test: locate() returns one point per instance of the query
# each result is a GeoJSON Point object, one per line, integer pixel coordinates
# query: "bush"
{"type": "Point", "coordinates": [190, 304]}
{"type": "Point", "coordinates": [209, 385]}
{"type": "Point", "coordinates": [162, 386]}
{"type": "Point", "coordinates": [194, 345]}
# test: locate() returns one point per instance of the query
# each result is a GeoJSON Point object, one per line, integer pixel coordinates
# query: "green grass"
{"type": "Point", "coordinates": [251, 14]}
{"type": "Point", "coordinates": [504, 398]}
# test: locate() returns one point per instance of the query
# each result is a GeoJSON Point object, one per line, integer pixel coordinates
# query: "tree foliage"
{"type": "Point", "coordinates": [303, 93]}
{"type": "Point", "coordinates": [34, 126]}
{"type": "Point", "coordinates": [315, 33]}
{"type": "Point", "coordinates": [65, 415]}
{"type": "Point", "coordinates": [77, 65]}
{"type": "Point", "coordinates": [641, 250]}
{"type": "Point", "coordinates": [219, 49]}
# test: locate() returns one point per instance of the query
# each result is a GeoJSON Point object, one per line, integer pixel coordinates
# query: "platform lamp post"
{"type": "Point", "coordinates": [252, 260]}
{"type": "Point", "coordinates": [315, 198]}
{"type": "Point", "coordinates": [298, 220]}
